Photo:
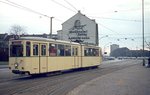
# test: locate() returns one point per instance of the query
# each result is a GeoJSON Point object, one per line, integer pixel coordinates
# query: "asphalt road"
{"type": "Point", "coordinates": [11, 84]}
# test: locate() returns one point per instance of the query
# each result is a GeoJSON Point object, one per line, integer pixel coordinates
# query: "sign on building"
{"type": "Point", "coordinates": [80, 29]}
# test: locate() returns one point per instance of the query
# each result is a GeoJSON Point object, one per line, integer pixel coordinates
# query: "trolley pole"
{"type": "Point", "coordinates": [51, 27]}
{"type": "Point", "coordinates": [143, 30]}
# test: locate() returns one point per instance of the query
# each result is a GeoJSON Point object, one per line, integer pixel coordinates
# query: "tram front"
{"type": "Point", "coordinates": [17, 56]}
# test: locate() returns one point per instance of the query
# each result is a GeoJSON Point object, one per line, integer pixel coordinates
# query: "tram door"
{"type": "Point", "coordinates": [76, 59]}
{"type": "Point", "coordinates": [43, 58]}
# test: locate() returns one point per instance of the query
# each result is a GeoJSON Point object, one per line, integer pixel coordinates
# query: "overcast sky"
{"type": "Point", "coordinates": [118, 19]}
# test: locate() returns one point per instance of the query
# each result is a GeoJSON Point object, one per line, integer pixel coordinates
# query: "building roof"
{"type": "Point", "coordinates": [3, 36]}
{"type": "Point", "coordinates": [79, 13]}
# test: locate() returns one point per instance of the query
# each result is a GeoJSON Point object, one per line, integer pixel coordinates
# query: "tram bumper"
{"type": "Point", "coordinates": [19, 72]}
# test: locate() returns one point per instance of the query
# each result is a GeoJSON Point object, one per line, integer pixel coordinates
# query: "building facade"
{"type": "Point", "coordinates": [79, 28]}
{"type": "Point", "coordinates": [113, 47]}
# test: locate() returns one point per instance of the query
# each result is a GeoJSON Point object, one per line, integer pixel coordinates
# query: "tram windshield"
{"type": "Point", "coordinates": [16, 50]}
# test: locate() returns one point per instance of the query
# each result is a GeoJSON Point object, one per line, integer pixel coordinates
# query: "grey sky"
{"type": "Point", "coordinates": [118, 19]}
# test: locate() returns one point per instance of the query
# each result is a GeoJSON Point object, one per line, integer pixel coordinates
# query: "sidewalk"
{"type": "Point", "coordinates": [3, 66]}
{"type": "Point", "coordinates": [134, 80]}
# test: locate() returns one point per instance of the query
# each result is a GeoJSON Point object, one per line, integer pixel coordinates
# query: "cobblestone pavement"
{"type": "Point", "coordinates": [102, 77]}
{"type": "Point", "coordinates": [134, 80]}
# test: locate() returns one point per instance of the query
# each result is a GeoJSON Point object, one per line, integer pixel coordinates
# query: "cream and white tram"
{"type": "Point", "coordinates": [41, 55]}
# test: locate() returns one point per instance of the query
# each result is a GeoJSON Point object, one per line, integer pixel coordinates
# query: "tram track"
{"type": "Point", "coordinates": [56, 85]}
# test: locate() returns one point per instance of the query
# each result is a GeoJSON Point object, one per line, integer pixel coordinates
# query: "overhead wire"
{"type": "Point", "coordinates": [13, 4]}
{"type": "Point", "coordinates": [9, 4]}
{"type": "Point", "coordinates": [28, 9]}
{"type": "Point", "coordinates": [63, 6]}
{"type": "Point", "coordinates": [20, 6]}
{"type": "Point", "coordinates": [116, 19]}
{"type": "Point", "coordinates": [147, 44]}
{"type": "Point", "coordinates": [71, 5]}
{"type": "Point", "coordinates": [123, 36]}
{"type": "Point", "coordinates": [108, 28]}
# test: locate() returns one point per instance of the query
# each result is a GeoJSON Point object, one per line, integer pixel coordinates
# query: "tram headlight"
{"type": "Point", "coordinates": [16, 65]}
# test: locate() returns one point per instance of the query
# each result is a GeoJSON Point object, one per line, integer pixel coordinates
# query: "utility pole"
{"type": "Point", "coordinates": [143, 30]}
{"type": "Point", "coordinates": [51, 27]}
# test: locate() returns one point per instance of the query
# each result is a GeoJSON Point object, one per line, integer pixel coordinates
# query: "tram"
{"type": "Point", "coordinates": [34, 55]}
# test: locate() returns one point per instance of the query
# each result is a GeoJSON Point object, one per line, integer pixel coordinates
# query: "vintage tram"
{"type": "Point", "coordinates": [34, 55]}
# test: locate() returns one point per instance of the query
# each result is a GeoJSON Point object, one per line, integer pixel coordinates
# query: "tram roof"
{"type": "Point", "coordinates": [51, 40]}
{"type": "Point", "coordinates": [45, 39]}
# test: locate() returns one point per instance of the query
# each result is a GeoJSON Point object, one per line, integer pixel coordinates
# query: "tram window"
{"type": "Point", "coordinates": [28, 48]}
{"type": "Point", "coordinates": [85, 52]}
{"type": "Point", "coordinates": [16, 50]}
{"type": "Point", "coordinates": [91, 52]}
{"type": "Point", "coordinates": [67, 50]}
{"type": "Point", "coordinates": [52, 49]}
{"type": "Point", "coordinates": [88, 52]}
{"type": "Point", "coordinates": [43, 50]}
{"type": "Point", "coordinates": [74, 51]}
{"type": "Point", "coordinates": [95, 52]}
{"type": "Point", "coordinates": [35, 49]}
{"type": "Point", "coordinates": [60, 50]}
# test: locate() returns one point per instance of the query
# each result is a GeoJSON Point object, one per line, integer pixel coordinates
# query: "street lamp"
{"type": "Point", "coordinates": [102, 38]}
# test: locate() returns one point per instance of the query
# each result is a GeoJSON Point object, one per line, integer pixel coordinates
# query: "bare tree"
{"type": "Point", "coordinates": [17, 30]}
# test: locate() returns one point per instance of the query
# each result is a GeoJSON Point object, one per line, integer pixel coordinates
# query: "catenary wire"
{"type": "Point", "coordinates": [71, 5]}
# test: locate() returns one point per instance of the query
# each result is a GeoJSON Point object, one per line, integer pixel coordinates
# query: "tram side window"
{"type": "Point", "coordinates": [95, 52]}
{"type": "Point", "coordinates": [60, 50]}
{"type": "Point", "coordinates": [74, 51]}
{"type": "Point", "coordinates": [91, 52]}
{"type": "Point", "coordinates": [86, 52]}
{"type": "Point", "coordinates": [52, 49]}
{"type": "Point", "coordinates": [43, 50]}
{"type": "Point", "coordinates": [67, 50]}
{"type": "Point", "coordinates": [28, 48]}
{"type": "Point", "coordinates": [35, 49]}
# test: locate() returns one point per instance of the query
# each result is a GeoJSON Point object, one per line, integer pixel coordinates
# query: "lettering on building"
{"type": "Point", "coordinates": [78, 32]}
